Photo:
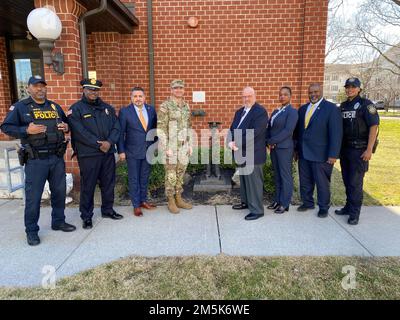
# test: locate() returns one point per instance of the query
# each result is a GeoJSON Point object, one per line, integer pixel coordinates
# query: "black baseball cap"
{"type": "Point", "coordinates": [36, 79]}
{"type": "Point", "coordinates": [355, 82]}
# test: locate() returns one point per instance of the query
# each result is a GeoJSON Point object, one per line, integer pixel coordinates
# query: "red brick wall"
{"type": "Point", "coordinates": [5, 91]}
{"type": "Point", "coordinates": [264, 44]}
{"type": "Point", "coordinates": [109, 61]}
{"type": "Point", "coordinates": [91, 53]}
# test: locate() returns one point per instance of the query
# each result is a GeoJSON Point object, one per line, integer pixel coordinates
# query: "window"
{"type": "Point", "coordinates": [335, 77]}
{"type": "Point", "coordinates": [334, 88]}
{"type": "Point", "coordinates": [327, 77]}
{"type": "Point", "coordinates": [26, 59]}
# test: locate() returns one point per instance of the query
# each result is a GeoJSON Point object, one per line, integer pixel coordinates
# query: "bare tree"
{"type": "Point", "coordinates": [375, 16]}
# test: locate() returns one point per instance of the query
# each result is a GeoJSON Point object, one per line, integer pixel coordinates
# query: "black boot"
{"type": "Point", "coordinates": [342, 212]}
{"type": "Point", "coordinates": [87, 224]}
{"type": "Point", "coordinates": [32, 239]}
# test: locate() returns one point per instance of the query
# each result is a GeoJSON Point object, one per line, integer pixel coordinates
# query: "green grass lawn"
{"type": "Point", "coordinates": [390, 113]}
{"type": "Point", "coordinates": [225, 277]}
{"type": "Point", "coordinates": [382, 181]}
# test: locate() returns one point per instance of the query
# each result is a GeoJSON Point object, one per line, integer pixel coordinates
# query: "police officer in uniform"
{"type": "Point", "coordinates": [40, 124]}
{"type": "Point", "coordinates": [95, 130]}
{"type": "Point", "coordinates": [360, 126]}
{"type": "Point", "coordinates": [174, 132]}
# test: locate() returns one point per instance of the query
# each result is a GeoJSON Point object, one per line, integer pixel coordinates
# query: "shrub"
{"type": "Point", "coordinates": [157, 176]}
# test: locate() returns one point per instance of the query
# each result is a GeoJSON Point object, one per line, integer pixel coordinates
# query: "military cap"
{"type": "Point", "coordinates": [177, 83]}
{"type": "Point", "coordinates": [355, 82]}
{"type": "Point", "coordinates": [36, 79]}
{"type": "Point", "coordinates": [91, 83]}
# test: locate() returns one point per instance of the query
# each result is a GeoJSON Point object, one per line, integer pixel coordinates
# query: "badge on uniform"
{"type": "Point", "coordinates": [53, 107]}
{"type": "Point", "coordinates": [356, 106]}
{"type": "Point", "coordinates": [371, 109]}
{"type": "Point", "coordinates": [11, 108]}
{"type": "Point", "coordinates": [106, 110]}
{"type": "Point", "coordinates": [69, 112]}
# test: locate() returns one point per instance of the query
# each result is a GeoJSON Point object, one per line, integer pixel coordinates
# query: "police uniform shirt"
{"type": "Point", "coordinates": [364, 107]}
{"type": "Point", "coordinates": [26, 111]}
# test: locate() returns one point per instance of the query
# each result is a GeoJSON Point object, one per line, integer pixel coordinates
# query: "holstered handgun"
{"type": "Point", "coordinates": [62, 148]}
{"type": "Point", "coordinates": [22, 155]}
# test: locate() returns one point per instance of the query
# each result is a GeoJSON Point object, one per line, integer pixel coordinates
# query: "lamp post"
{"type": "Point", "coordinates": [45, 25]}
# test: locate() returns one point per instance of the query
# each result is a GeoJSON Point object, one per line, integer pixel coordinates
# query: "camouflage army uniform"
{"type": "Point", "coordinates": [174, 123]}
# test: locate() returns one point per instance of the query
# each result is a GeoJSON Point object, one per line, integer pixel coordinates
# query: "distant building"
{"type": "Point", "coordinates": [380, 78]}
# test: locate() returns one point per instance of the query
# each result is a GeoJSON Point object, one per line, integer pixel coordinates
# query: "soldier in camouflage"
{"type": "Point", "coordinates": [174, 132]}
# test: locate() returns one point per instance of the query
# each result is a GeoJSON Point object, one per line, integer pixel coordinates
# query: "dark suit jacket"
{"type": "Point", "coordinates": [281, 133]}
{"type": "Point", "coordinates": [133, 136]}
{"type": "Point", "coordinates": [323, 137]}
{"type": "Point", "coordinates": [256, 119]}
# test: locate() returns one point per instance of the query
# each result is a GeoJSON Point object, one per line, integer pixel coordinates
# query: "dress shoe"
{"type": "Point", "coordinates": [147, 206]}
{"type": "Point", "coordinates": [281, 209]}
{"type": "Point", "coordinates": [352, 221]}
{"type": "Point", "coordinates": [66, 227]}
{"type": "Point", "coordinates": [304, 208]}
{"type": "Point", "coordinates": [87, 224]}
{"type": "Point", "coordinates": [273, 206]}
{"type": "Point", "coordinates": [240, 206]}
{"type": "Point", "coordinates": [137, 212]}
{"type": "Point", "coordinates": [341, 212]}
{"type": "Point", "coordinates": [32, 239]}
{"type": "Point", "coordinates": [253, 216]}
{"type": "Point", "coordinates": [113, 215]}
{"type": "Point", "coordinates": [322, 213]}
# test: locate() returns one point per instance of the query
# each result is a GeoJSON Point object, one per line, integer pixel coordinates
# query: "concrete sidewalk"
{"type": "Point", "coordinates": [205, 230]}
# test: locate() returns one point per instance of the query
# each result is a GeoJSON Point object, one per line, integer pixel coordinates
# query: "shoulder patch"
{"type": "Point", "coordinates": [163, 108]}
{"type": "Point", "coordinates": [371, 109]}
{"type": "Point", "coordinates": [12, 108]}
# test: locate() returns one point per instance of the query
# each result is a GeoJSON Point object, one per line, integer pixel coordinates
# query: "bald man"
{"type": "Point", "coordinates": [247, 141]}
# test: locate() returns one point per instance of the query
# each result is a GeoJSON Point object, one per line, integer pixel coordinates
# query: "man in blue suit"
{"type": "Point", "coordinates": [319, 137]}
{"type": "Point", "coordinates": [137, 121]}
{"type": "Point", "coordinates": [247, 140]}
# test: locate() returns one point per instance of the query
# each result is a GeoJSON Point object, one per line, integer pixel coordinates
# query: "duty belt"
{"type": "Point", "coordinates": [43, 154]}
{"type": "Point", "coordinates": [356, 144]}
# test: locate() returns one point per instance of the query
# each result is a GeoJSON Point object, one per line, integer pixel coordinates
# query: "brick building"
{"type": "Point", "coordinates": [262, 43]}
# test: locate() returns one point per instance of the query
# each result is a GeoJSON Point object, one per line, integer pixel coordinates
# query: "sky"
{"type": "Point", "coordinates": [349, 10]}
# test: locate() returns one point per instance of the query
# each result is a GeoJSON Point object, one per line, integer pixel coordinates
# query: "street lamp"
{"type": "Point", "coordinates": [45, 25]}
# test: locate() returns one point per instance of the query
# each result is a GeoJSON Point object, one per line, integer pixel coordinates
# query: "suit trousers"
{"type": "Point", "coordinates": [282, 163]}
{"type": "Point", "coordinates": [252, 187]}
{"type": "Point", "coordinates": [313, 174]}
{"type": "Point", "coordinates": [138, 179]}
